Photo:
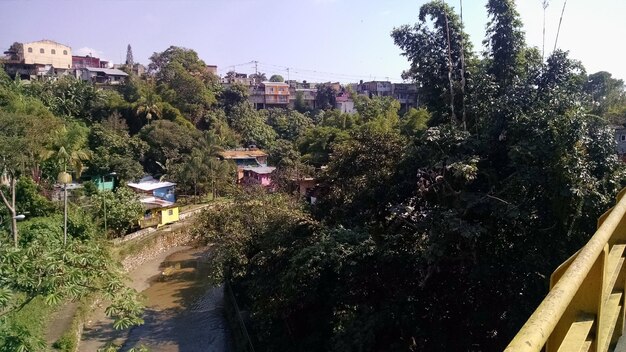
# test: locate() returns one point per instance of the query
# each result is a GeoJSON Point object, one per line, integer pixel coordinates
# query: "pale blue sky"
{"type": "Point", "coordinates": [320, 40]}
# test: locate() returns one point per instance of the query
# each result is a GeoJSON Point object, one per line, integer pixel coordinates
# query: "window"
{"type": "Point", "coordinates": [170, 212]}
{"type": "Point", "coordinates": [41, 51]}
{"type": "Point", "coordinates": [623, 137]}
{"type": "Point", "coordinates": [53, 51]}
{"type": "Point", "coordinates": [64, 52]}
{"type": "Point", "coordinates": [30, 50]}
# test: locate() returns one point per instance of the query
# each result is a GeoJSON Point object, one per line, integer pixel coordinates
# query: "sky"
{"type": "Point", "coordinates": [318, 40]}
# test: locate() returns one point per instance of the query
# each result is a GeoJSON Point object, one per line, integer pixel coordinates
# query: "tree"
{"type": "Point", "coordinates": [51, 273]}
{"type": "Point", "coordinates": [414, 122]}
{"type": "Point", "coordinates": [204, 170]}
{"type": "Point", "coordinates": [149, 105]}
{"type": "Point", "coordinates": [69, 149]}
{"type": "Point", "coordinates": [251, 125]}
{"type": "Point", "coordinates": [318, 143]}
{"type": "Point", "coordinates": [167, 141]}
{"type": "Point", "coordinates": [435, 53]}
{"type": "Point", "coordinates": [277, 78]}
{"type": "Point", "coordinates": [22, 140]}
{"type": "Point", "coordinates": [606, 93]}
{"type": "Point", "coordinates": [68, 96]}
{"type": "Point", "coordinates": [505, 43]}
{"type": "Point", "coordinates": [299, 104]}
{"type": "Point", "coordinates": [130, 62]}
{"type": "Point", "coordinates": [258, 77]}
{"type": "Point", "coordinates": [288, 124]}
{"type": "Point", "coordinates": [183, 81]}
{"type": "Point", "coordinates": [326, 97]}
{"type": "Point", "coordinates": [123, 209]}
{"type": "Point", "coordinates": [114, 150]}
{"type": "Point", "coordinates": [232, 96]}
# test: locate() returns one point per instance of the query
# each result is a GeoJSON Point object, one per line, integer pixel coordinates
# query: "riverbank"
{"type": "Point", "coordinates": [98, 329]}
{"type": "Point", "coordinates": [184, 309]}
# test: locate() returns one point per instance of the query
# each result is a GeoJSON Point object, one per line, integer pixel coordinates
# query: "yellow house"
{"type": "Point", "coordinates": [46, 52]}
{"type": "Point", "coordinates": [158, 216]}
{"type": "Point", "coordinates": [157, 198]}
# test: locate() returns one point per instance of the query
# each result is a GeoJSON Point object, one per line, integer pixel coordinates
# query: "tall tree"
{"type": "Point", "coordinates": [130, 62]}
{"type": "Point", "coordinates": [505, 41]}
{"type": "Point", "coordinates": [439, 51]}
{"type": "Point", "coordinates": [326, 97]}
{"type": "Point", "coordinates": [184, 82]}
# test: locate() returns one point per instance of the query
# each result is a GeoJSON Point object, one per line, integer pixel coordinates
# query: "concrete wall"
{"type": "Point", "coordinates": [62, 57]}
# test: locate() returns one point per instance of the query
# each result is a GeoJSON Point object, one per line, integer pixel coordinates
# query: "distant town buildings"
{"type": "Point", "coordinates": [49, 59]}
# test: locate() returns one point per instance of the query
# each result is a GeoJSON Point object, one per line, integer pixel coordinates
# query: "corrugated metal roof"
{"type": "Point", "coordinates": [150, 186]}
{"type": "Point", "coordinates": [261, 170]}
{"type": "Point", "coordinates": [242, 154]}
{"type": "Point", "coordinates": [107, 71]}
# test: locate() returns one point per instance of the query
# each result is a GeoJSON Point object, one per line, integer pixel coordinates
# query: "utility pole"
{"type": "Point", "coordinates": [288, 74]}
{"type": "Point", "coordinates": [543, 43]}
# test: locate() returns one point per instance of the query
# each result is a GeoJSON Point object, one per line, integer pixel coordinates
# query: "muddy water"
{"type": "Point", "coordinates": [184, 309]}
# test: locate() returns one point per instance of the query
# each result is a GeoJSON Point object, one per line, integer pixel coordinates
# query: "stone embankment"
{"type": "Point", "coordinates": [134, 251]}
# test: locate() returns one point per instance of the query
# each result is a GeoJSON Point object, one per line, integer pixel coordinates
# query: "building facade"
{"type": "Point", "coordinates": [270, 95]}
{"type": "Point", "coordinates": [37, 59]}
{"type": "Point", "coordinates": [46, 52]}
{"type": "Point", "coordinates": [88, 61]}
{"type": "Point", "coordinates": [110, 76]}
{"type": "Point", "coordinates": [406, 94]}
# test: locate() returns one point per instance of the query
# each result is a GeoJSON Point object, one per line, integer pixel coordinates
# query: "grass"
{"type": "Point", "coordinates": [35, 315]}
{"type": "Point", "coordinates": [68, 342]}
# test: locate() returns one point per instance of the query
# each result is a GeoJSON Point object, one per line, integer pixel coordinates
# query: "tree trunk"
{"type": "Point", "coordinates": [453, 118]}
{"type": "Point", "coordinates": [65, 215]}
{"type": "Point", "coordinates": [13, 212]}
{"type": "Point", "coordinates": [11, 207]}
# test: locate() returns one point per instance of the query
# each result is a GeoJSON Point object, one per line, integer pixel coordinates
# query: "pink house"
{"type": "Point", "coordinates": [259, 175]}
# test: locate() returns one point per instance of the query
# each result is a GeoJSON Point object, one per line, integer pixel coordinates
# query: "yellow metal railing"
{"type": "Point", "coordinates": [584, 310]}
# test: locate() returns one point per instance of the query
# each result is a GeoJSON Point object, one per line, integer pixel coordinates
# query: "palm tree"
{"type": "Point", "coordinates": [149, 106]}
{"type": "Point", "coordinates": [217, 172]}
{"type": "Point", "coordinates": [68, 149]}
{"type": "Point", "coordinates": [195, 168]}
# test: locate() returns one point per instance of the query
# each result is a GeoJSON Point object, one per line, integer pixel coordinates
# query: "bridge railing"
{"type": "Point", "coordinates": [584, 310]}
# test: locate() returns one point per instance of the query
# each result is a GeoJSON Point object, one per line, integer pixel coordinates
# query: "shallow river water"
{"type": "Point", "coordinates": [184, 310]}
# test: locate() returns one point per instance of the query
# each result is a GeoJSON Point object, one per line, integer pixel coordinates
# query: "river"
{"type": "Point", "coordinates": [184, 310]}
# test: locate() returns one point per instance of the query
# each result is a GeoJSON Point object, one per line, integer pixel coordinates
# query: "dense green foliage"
{"type": "Point", "coordinates": [444, 220]}
{"type": "Point", "coordinates": [436, 230]}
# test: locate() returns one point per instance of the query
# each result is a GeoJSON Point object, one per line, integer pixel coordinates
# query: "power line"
{"type": "Point", "coordinates": [302, 73]}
